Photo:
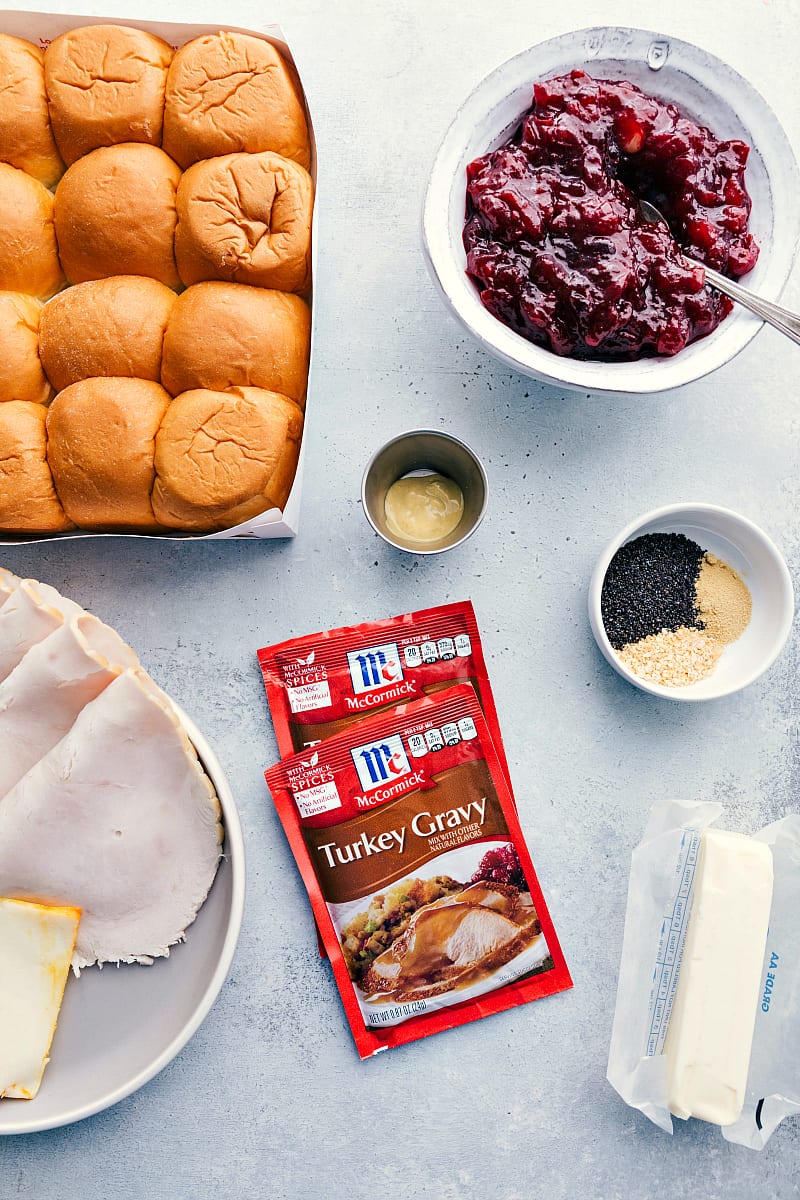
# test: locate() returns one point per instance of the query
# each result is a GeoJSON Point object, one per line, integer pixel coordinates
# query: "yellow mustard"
{"type": "Point", "coordinates": [423, 508]}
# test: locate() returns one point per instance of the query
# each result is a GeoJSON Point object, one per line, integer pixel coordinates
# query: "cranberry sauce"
{"type": "Point", "coordinates": [501, 866]}
{"type": "Point", "coordinates": [555, 240]}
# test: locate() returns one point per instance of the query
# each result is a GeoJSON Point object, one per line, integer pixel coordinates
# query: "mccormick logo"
{"type": "Point", "coordinates": [374, 667]}
{"type": "Point", "coordinates": [380, 762]}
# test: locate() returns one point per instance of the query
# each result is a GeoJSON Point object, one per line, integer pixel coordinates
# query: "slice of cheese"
{"type": "Point", "coordinates": [36, 945]}
{"type": "Point", "coordinates": [711, 1028]}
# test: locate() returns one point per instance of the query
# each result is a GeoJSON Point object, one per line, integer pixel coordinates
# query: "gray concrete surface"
{"type": "Point", "coordinates": [269, 1099]}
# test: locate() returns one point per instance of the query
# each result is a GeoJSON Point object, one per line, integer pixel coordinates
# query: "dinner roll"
{"type": "Point", "coordinates": [245, 218]}
{"type": "Point", "coordinates": [223, 335]}
{"type": "Point", "coordinates": [28, 501]}
{"type": "Point", "coordinates": [21, 374]}
{"type": "Point", "coordinates": [106, 85]}
{"type": "Point", "coordinates": [28, 255]}
{"type": "Point", "coordinates": [101, 446]}
{"type": "Point", "coordinates": [115, 214]}
{"type": "Point", "coordinates": [105, 327]}
{"type": "Point", "coordinates": [224, 457]}
{"type": "Point", "coordinates": [232, 91]}
{"type": "Point", "coordinates": [26, 136]}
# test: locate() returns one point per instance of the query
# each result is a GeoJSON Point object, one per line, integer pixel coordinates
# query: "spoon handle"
{"type": "Point", "coordinates": [782, 318]}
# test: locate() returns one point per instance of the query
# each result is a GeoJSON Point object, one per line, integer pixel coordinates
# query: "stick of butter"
{"type": "Point", "coordinates": [711, 1027]}
{"type": "Point", "coordinates": [36, 945]}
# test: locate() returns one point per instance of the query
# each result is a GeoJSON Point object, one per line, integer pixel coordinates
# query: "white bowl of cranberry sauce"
{"type": "Point", "coordinates": [550, 265]}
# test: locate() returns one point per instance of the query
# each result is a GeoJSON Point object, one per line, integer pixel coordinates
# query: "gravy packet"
{"type": "Point", "coordinates": [423, 889]}
{"type": "Point", "coordinates": [320, 684]}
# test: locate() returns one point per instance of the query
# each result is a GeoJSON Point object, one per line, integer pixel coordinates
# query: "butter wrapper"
{"type": "Point", "coordinates": [661, 896]}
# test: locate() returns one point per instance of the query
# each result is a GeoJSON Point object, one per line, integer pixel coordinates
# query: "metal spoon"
{"type": "Point", "coordinates": [788, 322]}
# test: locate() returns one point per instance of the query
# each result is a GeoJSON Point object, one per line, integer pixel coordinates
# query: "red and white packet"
{"type": "Point", "coordinates": [409, 803]}
{"type": "Point", "coordinates": [319, 684]}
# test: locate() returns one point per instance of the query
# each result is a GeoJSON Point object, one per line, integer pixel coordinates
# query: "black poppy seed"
{"type": "Point", "coordinates": [650, 586]}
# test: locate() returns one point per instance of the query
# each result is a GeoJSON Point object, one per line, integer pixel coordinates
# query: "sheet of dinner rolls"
{"type": "Point", "coordinates": [155, 271]}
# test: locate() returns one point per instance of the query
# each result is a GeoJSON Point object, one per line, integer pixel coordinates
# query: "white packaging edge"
{"type": "Point", "coordinates": [273, 523]}
{"type": "Point", "coordinates": [641, 1079]}
{"type": "Point", "coordinates": [773, 1086]}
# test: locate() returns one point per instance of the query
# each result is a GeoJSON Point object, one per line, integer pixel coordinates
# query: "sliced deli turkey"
{"type": "Point", "coordinates": [104, 804]}
{"type": "Point", "coordinates": [132, 837]}
{"type": "Point", "coordinates": [56, 678]}
{"type": "Point", "coordinates": [110, 828]}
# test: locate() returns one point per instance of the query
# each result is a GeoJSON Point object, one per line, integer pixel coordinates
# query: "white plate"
{"type": "Point", "coordinates": [120, 1026]}
{"type": "Point", "coordinates": [705, 89]}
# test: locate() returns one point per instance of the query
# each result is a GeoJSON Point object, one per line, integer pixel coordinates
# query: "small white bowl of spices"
{"type": "Point", "coordinates": [691, 602]}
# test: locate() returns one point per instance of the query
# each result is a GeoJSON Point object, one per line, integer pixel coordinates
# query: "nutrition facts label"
{"type": "Point", "coordinates": [674, 924]}
{"type": "Point", "coordinates": [430, 652]}
{"type": "Point", "coordinates": [436, 739]}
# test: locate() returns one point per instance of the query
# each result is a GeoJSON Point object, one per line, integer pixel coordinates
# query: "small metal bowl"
{"type": "Point", "coordinates": [425, 451]}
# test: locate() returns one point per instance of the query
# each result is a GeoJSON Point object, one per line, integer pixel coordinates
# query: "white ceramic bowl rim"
{"type": "Point", "coordinates": [234, 853]}
{"type": "Point", "coordinates": [723, 99]}
{"type": "Point", "coordinates": [674, 512]}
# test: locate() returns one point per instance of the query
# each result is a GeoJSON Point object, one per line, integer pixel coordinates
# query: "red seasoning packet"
{"type": "Point", "coordinates": [320, 684]}
{"type": "Point", "coordinates": [324, 682]}
{"type": "Point", "coordinates": [408, 842]}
